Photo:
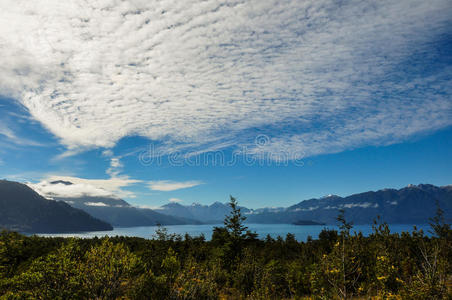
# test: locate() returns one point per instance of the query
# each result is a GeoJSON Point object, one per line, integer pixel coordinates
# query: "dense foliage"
{"type": "Point", "coordinates": [233, 265]}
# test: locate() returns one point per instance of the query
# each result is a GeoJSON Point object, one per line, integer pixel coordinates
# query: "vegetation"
{"type": "Point", "coordinates": [233, 265]}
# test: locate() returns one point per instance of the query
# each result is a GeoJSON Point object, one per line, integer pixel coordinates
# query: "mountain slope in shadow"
{"type": "Point", "coordinates": [22, 209]}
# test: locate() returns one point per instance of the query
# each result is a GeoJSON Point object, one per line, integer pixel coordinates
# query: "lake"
{"type": "Point", "coordinates": [274, 230]}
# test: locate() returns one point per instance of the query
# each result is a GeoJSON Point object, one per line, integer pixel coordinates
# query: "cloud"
{"type": "Point", "coordinates": [13, 138]}
{"type": "Point", "coordinates": [315, 76]}
{"type": "Point", "coordinates": [175, 200]}
{"type": "Point", "coordinates": [115, 167]}
{"type": "Point", "coordinates": [96, 204]}
{"type": "Point", "coordinates": [81, 187]}
{"type": "Point", "coordinates": [148, 207]}
{"type": "Point", "coordinates": [362, 205]}
{"type": "Point", "coordinates": [168, 185]}
{"type": "Point", "coordinates": [107, 153]}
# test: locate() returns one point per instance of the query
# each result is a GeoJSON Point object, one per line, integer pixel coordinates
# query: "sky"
{"type": "Point", "coordinates": [189, 101]}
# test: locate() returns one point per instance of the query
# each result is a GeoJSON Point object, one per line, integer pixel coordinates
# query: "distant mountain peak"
{"type": "Point", "coordinates": [172, 204]}
{"type": "Point", "coordinates": [61, 182]}
{"type": "Point", "coordinates": [330, 196]}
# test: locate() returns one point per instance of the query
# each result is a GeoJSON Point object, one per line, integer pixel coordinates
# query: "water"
{"type": "Point", "coordinates": [274, 230]}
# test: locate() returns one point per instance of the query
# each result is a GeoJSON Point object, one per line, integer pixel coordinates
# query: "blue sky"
{"type": "Point", "coordinates": [33, 156]}
{"type": "Point", "coordinates": [134, 99]}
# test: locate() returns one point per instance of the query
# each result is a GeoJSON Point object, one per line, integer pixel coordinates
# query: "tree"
{"type": "Point", "coordinates": [341, 268]}
{"type": "Point", "coordinates": [439, 227]}
{"type": "Point", "coordinates": [232, 236]}
{"type": "Point", "coordinates": [234, 222]}
{"type": "Point", "coordinates": [55, 276]}
{"type": "Point", "coordinates": [109, 270]}
{"type": "Point", "coordinates": [234, 229]}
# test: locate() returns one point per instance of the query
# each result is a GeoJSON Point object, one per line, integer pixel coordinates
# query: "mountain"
{"type": "Point", "coordinates": [119, 213]}
{"type": "Point", "coordinates": [212, 214]}
{"type": "Point", "coordinates": [414, 204]}
{"type": "Point", "coordinates": [307, 222]}
{"type": "Point", "coordinates": [22, 209]}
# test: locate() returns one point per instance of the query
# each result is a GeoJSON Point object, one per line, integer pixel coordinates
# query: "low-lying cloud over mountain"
{"type": "Point", "coordinates": [104, 204]}
{"type": "Point", "coordinates": [23, 209]}
{"type": "Point", "coordinates": [57, 186]}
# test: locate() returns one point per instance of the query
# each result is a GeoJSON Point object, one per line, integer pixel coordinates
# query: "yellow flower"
{"type": "Point", "coordinates": [381, 277]}
{"type": "Point", "coordinates": [334, 270]}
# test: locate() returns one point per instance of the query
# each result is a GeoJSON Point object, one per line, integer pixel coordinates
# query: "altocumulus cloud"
{"type": "Point", "coordinates": [316, 76]}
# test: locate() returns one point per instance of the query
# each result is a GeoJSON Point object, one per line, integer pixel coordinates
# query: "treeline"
{"type": "Point", "coordinates": [233, 265]}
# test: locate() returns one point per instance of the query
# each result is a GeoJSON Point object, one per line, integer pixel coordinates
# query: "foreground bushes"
{"type": "Point", "coordinates": [234, 265]}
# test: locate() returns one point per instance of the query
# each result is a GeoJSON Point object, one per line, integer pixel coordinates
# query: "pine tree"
{"type": "Point", "coordinates": [234, 222]}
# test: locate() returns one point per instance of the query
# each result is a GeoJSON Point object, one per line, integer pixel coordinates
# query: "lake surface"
{"type": "Point", "coordinates": [274, 230]}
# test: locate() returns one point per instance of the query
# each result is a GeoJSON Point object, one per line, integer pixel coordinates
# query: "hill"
{"type": "Point", "coordinates": [22, 209]}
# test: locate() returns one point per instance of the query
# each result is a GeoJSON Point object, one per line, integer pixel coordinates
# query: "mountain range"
{"type": "Point", "coordinates": [22, 209]}
{"type": "Point", "coordinates": [213, 213]}
{"type": "Point", "coordinates": [414, 204]}
{"type": "Point", "coordinates": [120, 213]}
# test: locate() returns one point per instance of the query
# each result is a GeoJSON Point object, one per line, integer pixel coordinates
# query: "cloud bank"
{"type": "Point", "coordinates": [81, 187]}
{"type": "Point", "coordinates": [315, 76]}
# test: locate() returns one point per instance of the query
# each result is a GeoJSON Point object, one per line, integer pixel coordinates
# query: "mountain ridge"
{"type": "Point", "coordinates": [23, 209]}
{"type": "Point", "coordinates": [410, 204]}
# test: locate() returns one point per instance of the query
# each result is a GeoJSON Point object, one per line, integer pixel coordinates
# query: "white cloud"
{"type": "Point", "coordinates": [361, 205]}
{"type": "Point", "coordinates": [115, 167]}
{"type": "Point", "coordinates": [168, 185]}
{"type": "Point", "coordinates": [320, 76]}
{"type": "Point", "coordinates": [311, 208]}
{"type": "Point", "coordinates": [352, 205]}
{"type": "Point", "coordinates": [80, 187]}
{"type": "Point", "coordinates": [14, 138]}
{"type": "Point", "coordinates": [148, 207]}
{"type": "Point", "coordinates": [175, 200]}
{"type": "Point", "coordinates": [102, 204]}
{"type": "Point", "coordinates": [107, 153]}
